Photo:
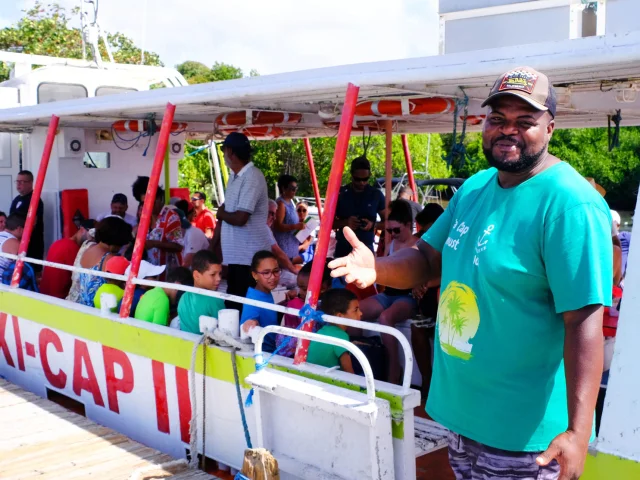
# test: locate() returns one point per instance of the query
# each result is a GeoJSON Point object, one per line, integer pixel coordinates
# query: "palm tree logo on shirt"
{"type": "Point", "coordinates": [458, 320]}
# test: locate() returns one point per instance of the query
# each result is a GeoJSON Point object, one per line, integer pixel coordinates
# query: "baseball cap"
{"type": "Point", "coordinates": [120, 198]}
{"type": "Point", "coordinates": [528, 84]}
{"type": "Point", "coordinates": [117, 265]}
{"type": "Point", "coordinates": [147, 270]}
{"type": "Point", "coordinates": [239, 143]}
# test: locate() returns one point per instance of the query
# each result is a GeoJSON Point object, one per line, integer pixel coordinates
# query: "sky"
{"type": "Point", "coordinates": [271, 37]}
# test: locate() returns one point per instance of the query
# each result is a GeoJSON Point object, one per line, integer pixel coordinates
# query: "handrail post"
{"type": "Point", "coordinates": [147, 209]}
{"type": "Point", "coordinates": [314, 179]}
{"type": "Point", "coordinates": [407, 159]}
{"type": "Point", "coordinates": [32, 213]}
{"type": "Point", "coordinates": [326, 226]}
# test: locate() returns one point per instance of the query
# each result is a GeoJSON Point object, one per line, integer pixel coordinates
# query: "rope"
{"type": "Point", "coordinates": [614, 138]}
{"type": "Point", "coordinates": [458, 153]}
{"type": "Point", "coordinates": [307, 314]}
{"type": "Point", "coordinates": [193, 427]}
{"type": "Point", "coordinates": [247, 435]}
{"type": "Point", "coordinates": [204, 406]}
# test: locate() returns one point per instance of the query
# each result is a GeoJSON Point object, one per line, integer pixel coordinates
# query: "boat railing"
{"type": "Point", "coordinates": [374, 327]}
{"type": "Point", "coordinates": [315, 337]}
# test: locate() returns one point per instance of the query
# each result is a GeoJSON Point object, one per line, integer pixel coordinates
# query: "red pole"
{"type": "Point", "coordinates": [147, 209]}
{"type": "Point", "coordinates": [314, 179]}
{"type": "Point", "coordinates": [407, 159]}
{"type": "Point", "coordinates": [35, 199]}
{"type": "Point", "coordinates": [335, 181]}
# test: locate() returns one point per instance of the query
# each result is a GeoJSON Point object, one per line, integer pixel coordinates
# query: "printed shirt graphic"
{"type": "Point", "coordinates": [513, 260]}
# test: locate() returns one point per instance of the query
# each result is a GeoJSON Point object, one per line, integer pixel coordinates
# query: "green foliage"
{"type": "Point", "coordinates": [44, 30]}
{"type": "Point", "coordinates": [196, 72]}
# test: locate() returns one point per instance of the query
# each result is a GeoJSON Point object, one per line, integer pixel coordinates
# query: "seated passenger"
{"type": "Point", "coordinates": [207, 274]}
{"type": "Point", "coordinates": [393, 306]}
{"type": "Point", "coordinates": [111, 235]}
{"type": "Point", "coordinates": [10, 239]}
{"type": "Point", "coordinates": [179, 276]}
{"type": "Point", "coordinates": [338, 302]}
{"type": "Point", "coordinates": [266, 273]}
{"type": "Point", "coordinates": [147, 271]}
{"type": "Point", "coordinates": [119, 206]}
{"type": "Point", "coordinates": [194, 239]}
{"type": "Point", "coordinates": [117, 266]}
{"type": "Point", "coordinates": [55, 281]}
{"type": "Point", "coordinates": [3, 221]}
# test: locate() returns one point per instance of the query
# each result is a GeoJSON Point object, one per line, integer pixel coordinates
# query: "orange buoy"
{"type": "Point", "coordinates": [363, 126]}
{"type": "Point", "coordinates": [474, 119]}
{"type": "Point", "coordinates": [258, 117]}
{"type": "Point", "coordinates": [141, 126]}
{"type": "Point", "coordinates": [412, 106]}
{"type": "Point", "coordinates": [256, 131]}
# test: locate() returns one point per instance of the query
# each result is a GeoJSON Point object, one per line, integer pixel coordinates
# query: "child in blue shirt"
{"type": "Point", "coordinates": [266, 273]}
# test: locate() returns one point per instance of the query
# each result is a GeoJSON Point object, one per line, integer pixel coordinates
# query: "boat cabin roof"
{"type": "Point", "coordinates": [594, 77]}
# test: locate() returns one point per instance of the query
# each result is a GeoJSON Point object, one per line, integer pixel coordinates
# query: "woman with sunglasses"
{"type": "Point", "coordinates": [306, 250]}
{"type": "Point", "coordinates": [286, 223]}
{"type": "Point", "coordinates": [394, 305]}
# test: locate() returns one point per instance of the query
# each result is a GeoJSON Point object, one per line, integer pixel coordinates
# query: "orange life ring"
{"type": "Point", "coordinates": [258, 117]}
{"type": "Point", "coordinates": [363, 126]}
{"type": "Point", "coordinates": [141, 126]}
{"type": "Point", "coordinates": [256, 131]}
{"type": "Point", "coordinates": [474, 119]}
{"type": "Point", "coordinates": [412, 106]}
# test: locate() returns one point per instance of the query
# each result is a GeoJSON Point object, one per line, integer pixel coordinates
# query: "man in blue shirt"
{"type": "Point", "coordinates": [524, 253]}
{"type": "Point", "coordinates": [359, 204]}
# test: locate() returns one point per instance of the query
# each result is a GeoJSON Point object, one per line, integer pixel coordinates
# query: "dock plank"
{"type": "Point", "coordinates": [40, 439]}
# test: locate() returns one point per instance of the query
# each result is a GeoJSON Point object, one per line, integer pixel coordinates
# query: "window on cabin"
{"type": "Point", "coordinates": [97, 160]}
{"type": "Point", "coordinates": [103, 91]}
{"type": "Point", "coordinates": [56, 92]}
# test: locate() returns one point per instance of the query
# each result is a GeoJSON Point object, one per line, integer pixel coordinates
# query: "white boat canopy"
{"type": "Point", "coordinates": [594, 77]}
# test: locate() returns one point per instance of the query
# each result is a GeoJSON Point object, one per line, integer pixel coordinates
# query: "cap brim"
{"type": "Point", "coordinates": [515, 93]}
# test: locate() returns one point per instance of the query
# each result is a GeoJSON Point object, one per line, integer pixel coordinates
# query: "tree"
{"type": "Point", "coordinates": [45, 30]}
{"type": "Point", "coordinates": [197, 72]}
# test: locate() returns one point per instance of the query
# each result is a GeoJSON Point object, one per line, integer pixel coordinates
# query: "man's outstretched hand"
{"type": "Point", "coordinates": [569, 451]}
{"type": "Point", "coordinates": [359, 266]}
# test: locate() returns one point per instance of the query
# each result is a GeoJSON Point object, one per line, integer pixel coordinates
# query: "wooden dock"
{"type": "Point", "coordinates": [39, 438]}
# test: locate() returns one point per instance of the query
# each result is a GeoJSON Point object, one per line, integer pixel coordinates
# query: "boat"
{"type": "Point", "coordinates": [183, 394]}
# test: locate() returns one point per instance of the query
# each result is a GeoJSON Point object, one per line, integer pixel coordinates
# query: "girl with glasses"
{"type": "Point", "coordinates": [394, 305]}
{"type": "Point", "coordinates": [266, 273]}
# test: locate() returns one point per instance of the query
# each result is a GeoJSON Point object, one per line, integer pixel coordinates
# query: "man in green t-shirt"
{"type": "Point", "coordinates": [525, 258]}
{"type": "Point", "coordinates": [155, 305]}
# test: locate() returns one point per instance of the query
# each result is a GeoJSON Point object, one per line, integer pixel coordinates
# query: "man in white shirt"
{"type": "Point", "coordinates": [119, 206]}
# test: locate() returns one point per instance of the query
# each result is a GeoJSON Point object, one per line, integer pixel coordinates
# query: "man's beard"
{"type": "Point", "coordinates": [522, 164]}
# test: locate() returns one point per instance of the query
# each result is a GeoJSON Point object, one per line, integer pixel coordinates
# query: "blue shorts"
{"type": "Point", "coordinates": [387, 300]}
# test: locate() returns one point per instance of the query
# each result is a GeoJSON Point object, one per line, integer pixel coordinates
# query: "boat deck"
{"type": "Point", "coordinates": [39, 438]}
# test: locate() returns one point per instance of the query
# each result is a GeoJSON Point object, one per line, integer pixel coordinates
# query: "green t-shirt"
{"type": "Point", "coordinates": [192, 305]}
{"type": "Point", "coordinates": [325, 354]}
{"type": "Point", "coordinates": [154, 307]}
{"type": "Point", "coordinates": [513, 260]}
{"type": "Point", "coordinates": [108, 288]}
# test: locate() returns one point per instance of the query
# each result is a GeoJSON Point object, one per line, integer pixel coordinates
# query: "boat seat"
{"type": "Point", "coordinates": [429, 436]}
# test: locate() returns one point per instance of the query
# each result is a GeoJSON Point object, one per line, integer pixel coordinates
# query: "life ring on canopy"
{"type": "Point", "coordinates": [141, 126]}
{"type": "Point", "coordinates": [256, 131]}
{"type": "Point", "coordinates": [363, 126]}
{"type": "Point", "coordinates": [258, 117]}
{"type": "Point", "coordinates": [407, 106]}
{"type": "Point", "coordinates": [474, 119]}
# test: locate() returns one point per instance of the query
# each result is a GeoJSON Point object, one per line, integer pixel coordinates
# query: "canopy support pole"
{"type": "Point", "coordinates": [167, 178]}
{"type": "Point", "coordinates": [388, 179]}
{"type": "Point", "coordinates": [407, 159]}
{"type": "Point", "coordinates": [147, 208]}
{"type": "Point", "coordinates": [314, 179]}
{"type": "Point", "coordinates": [216, 168]}
{"type": "Point", "coordinates": [333, 189]}
{"type": "Point", "coordinates": [32, 213]}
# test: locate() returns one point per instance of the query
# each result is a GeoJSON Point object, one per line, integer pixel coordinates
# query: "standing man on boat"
{"type": "Point", "coordinates": [119, 207]}
{"type": "Point", "coordinates": [244, 228]}
{"type": "Point", "coordinates": [20, 204]}
{"type": "Point", "coordinates": [525, 254]}
{"type": "Point", "coordinates": [359, 204]}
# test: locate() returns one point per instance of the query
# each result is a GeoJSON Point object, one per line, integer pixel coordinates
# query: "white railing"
{"type": "Point", "coordinates": [366, 367]}
{"type": "Point", "coordinates": [375, 327]}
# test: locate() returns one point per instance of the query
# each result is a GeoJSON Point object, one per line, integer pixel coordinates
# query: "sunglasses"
{"type": "Point", "coordinates": [361, 179]}
{"type": "Point", "coordinates": [270, 273]}
{"type": "Point", "coordinates": [271, 214]}
{"type": "Point", "coordinates": [293, 188]}
{"type": "Point", "coordinates": [195, 199]}
{"type": "Point", "coordinates": [393, 230]}
{"type": "Point", "coordinates": [302, 210]}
